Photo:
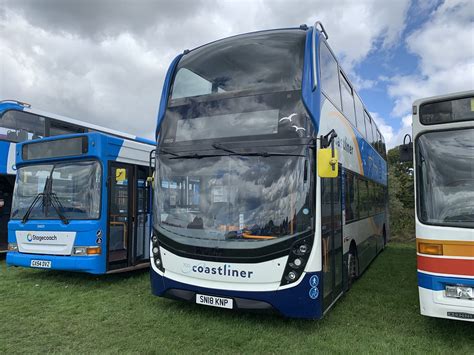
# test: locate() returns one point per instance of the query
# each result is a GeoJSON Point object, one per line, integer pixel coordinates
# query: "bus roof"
{"type": "Point", "coordinates": [82, 145]}
{"type": "Point", "coordinates": [6, 105]}
{"type": "Point", "coordinates": [443, 97]}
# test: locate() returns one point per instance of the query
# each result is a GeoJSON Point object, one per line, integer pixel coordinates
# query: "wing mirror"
{"type": "Point", "coordinates": [327, 156]}
{"type": "Point", "coordinates": [406, 149]}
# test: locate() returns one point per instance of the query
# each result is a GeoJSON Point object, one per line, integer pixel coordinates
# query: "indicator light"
{"type": "Point", "coordinates": [430, 248]}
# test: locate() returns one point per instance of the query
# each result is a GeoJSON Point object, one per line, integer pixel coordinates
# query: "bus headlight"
{"type": "Point", "coordinates": [156, 252]}
{"type": "Point", "coordinates": [80, 251]}
{"type": "Point", "coordinates": [463, 292]}
{"type": "Point", "coordinates": [12, 247]}
{"type": "Point", "coordinates": [297, 260]}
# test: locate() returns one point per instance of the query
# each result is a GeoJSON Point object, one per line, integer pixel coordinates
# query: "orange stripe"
{"type": "Point", "coordinates": [446, 266]}
{"type": "Point", "coordinates": [250, 236]}
{"type": "Point", "coordinates": [451, 247]}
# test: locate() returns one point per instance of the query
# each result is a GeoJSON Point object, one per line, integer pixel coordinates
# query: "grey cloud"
{"type": "Point", "coordinates": [104, 18]}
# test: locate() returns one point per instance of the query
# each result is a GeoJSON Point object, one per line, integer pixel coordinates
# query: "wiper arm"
{"type": "Point", "coordinates": [168, 152]}
{"type": "Point", "coordinates": [30, 208]}
{"type": "Point", "coordinates": [258, 154]}
{"type": "Point", "coordinates": [58, 207]}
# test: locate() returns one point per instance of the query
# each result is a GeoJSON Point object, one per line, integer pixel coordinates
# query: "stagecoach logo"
{"type": "Point", "coordinates": [39, 238]}
{"type": "Point", "coordinates": [226, 270]}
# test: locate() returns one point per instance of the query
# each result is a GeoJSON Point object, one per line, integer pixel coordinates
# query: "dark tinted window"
{"type": "Point", "coordinates": [55, 148]}
{"type": "Point", "coordinates": [266, 61]}
{"type": "Point", "coordinates": [329, 75]}
{"type": "Point", "coordinates": [347, 100]}
{"type": "Point", "coordinates": [447, 111]}
{"type": "Point", "coordinates": [58, 128]}
{"type": "Point", "coordinates": [19, 126]}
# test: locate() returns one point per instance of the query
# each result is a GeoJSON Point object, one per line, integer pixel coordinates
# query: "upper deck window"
{"type": "Point", "coordinates": [265, 62]}
{"type": "Point", "coordinates": [447, 111]}
{"type": "Point", "coordinates": [330, 75]}
{"type": "Point", "coordinates": [19, 126]}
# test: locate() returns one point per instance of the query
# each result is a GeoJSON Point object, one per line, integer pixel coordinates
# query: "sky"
{"type": "Point", "coordinates": [104, 61]}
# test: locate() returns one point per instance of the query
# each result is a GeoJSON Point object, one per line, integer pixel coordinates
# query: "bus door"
{"type": "Point", "coordinates": [331, 238]}
{"type": "Point", "coordinates": [119, 215]}
{"type": "Point", "coordinates": [127, 216]}
{"type": "Point", "coordinates": [141, 246]}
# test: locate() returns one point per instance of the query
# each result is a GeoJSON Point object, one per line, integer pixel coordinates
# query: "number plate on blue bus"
{"type": "Point", "coordinates": [45, 264]}
{"type": "Point", "coordinates": [214, 301]}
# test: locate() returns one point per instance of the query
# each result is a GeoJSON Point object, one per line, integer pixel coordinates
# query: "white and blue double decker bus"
{"type": "Point", "coordinates": [81, 203]}
{"type": "Point", "coordinates": [20, 122]}
{"type": "Point", "coordinates": [249, 210]}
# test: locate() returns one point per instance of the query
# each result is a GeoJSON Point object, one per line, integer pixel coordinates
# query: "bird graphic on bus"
{"type": "Point", "coordinates": [288, 118]}
{"type": "Point", "coordinates": [297, 129]}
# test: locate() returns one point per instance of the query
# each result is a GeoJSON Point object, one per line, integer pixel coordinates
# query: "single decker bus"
{"type": "Point", "coordinates": [81, 203]}
{"type": "Point", "coordinates": [20, 122]}
{"type": "Point", "coordinates": [271, 179]}
{"type": "Point", "coordinates": [443, 136]}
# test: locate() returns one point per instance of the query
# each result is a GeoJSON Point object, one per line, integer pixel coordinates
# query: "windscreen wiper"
{"type": "Point", "coordinates": [258, 154]}
{"type": "Point", "coordinates": [161, 150]}
{"type": "Point", "coordinates": [231, 152]}
{"type": "Point", "coordinates": [49, 198]}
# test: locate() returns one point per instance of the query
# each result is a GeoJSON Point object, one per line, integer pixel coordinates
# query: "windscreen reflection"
{"type": "Point", "coordinates": [445, 168]}
{"type": "Point", "coordinates": [232, 199]}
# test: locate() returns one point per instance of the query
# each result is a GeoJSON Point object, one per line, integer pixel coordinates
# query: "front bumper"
{"type": "Point", "coordinates": [88, 264]}
{"type": "Point", "coordinates": [300, 301]}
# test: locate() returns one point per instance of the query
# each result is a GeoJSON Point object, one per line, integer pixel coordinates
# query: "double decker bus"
{"type": "Point", "coordinates": [271, 179]}
{"type": "Point", "coordinates": [81, 203]}
{"type": "Point", "coordinates": [443, 133]}
{"type": "Point", "coordinates": [20, 122]}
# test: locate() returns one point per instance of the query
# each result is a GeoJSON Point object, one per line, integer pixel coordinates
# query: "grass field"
{"type": "Point", "coordinates": [63, 312]}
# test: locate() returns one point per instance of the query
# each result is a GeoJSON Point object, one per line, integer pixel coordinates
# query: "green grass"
{"type": "Point", "coordinates": [63, 312]}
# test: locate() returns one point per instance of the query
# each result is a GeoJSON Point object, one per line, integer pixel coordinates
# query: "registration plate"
{"type": "Point", "coordinates": [45, 264]}
{"type": "Point", "coordinates": [214, 301]}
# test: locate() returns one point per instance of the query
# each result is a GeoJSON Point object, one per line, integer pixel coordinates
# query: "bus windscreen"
{"type": "Point", "coordinates": [55, 148]}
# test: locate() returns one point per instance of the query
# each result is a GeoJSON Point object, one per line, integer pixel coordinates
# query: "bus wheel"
{"type": "Point", "coordinates": [352, 265]}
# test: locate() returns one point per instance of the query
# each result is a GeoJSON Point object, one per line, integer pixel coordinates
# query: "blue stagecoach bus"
{"type": "Point", "coordinates": [271, 179]}
{"type": "Point", "coordinates": [20, 122]}
{"type": "Point", "coordinates": [81, 203]}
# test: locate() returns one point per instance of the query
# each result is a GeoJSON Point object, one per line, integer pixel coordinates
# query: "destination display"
{"type": "Point", "coordinates": [55, 148]}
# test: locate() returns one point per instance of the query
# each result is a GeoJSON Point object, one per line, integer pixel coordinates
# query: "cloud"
{"type": "Point", "coordinates": [105, 61]}
{"type": "Point", "coordinates": [444, 45]}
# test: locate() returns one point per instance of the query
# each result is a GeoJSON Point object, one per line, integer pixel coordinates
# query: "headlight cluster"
{"type": "Point", "coordinates": [297, 260]}
{"type": "Point", "coordinates": [155, 249]}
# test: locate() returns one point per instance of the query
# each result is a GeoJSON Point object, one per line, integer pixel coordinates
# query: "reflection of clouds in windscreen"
{"type": "Point", "coordinates": [261, 189]}
{"type": "Point", "coordinates": [448, 175]}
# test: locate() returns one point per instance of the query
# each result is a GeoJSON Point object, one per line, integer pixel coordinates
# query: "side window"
{"type": "Point", "coordinates": [374, 134]}
{"type": "Point", "coordinates": [384, 149]}
{"type": "Point", "coordinates": [368, 125]}
{"type": "Point", "coordinates": [19, 126]}
{"type": "Point", "coordinates": [329, 75]}
{"type": "Point", "coordinates": [349, 198]}
{"type": "Point", "coordinates": [364, 202]}
{"type": "Point", "coordinates": [379, 143]}
{"type": "Point", "coordinates": [347, 99]}
{"type": "Point", "coordinates": [58, 128]}
{"type": "Point", "coordinates": [188, 83]}
{"type": "Point", "coordinates": [372, 198]}
{"type": "Point", "coordinates": [360, 115]}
